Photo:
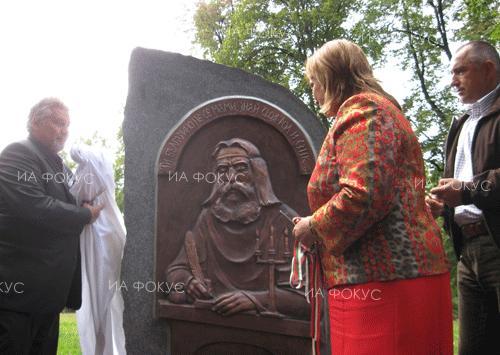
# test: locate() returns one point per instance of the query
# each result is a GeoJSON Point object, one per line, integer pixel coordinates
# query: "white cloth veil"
{"type": "Point", "coordinates": [100, 319]}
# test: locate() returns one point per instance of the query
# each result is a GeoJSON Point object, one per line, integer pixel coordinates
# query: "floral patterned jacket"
{"type": "Point", "coordinates": [367, 192]}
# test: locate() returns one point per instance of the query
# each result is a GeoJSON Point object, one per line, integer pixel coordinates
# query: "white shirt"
{"type": "Point", "coordinates": [465, 214]}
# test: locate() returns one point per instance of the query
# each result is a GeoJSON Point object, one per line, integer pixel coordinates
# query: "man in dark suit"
{"type": "Point", "coordinates": [469, 196]}
{"type": "Point", "coordinates": [40, 225]}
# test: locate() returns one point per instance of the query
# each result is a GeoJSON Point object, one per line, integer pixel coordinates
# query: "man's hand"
{"type": "Point", "coordinates": [94, 210]}
{"type": "Point", "coordinates": [449, 191]}
{"type": "Point", "coordinates": [232, 303]}
{"type": "Point", "coordinates": [196, 289]}
{"type": "Point", "coordinates": [435, 205]}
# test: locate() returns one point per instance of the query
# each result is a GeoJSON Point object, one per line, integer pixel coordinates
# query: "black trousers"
{"type": "Point", "coordinates": [28, 334]}
{"type": "Point", "coordinates": [479, 297]}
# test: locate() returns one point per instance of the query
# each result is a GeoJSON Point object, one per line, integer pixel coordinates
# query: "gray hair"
{"type": "Point", "coordinates": [45, 109]}
{"type": "Point", "coordinates": [480, 52]}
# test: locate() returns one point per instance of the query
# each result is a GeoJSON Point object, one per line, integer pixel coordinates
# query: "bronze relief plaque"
{"type": "Point", "coordinates": [231, 176]}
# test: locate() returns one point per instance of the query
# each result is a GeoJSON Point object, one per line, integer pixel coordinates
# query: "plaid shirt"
{"type": "Point", "coordinates": [463, 159]}
{"type": "Point", "coordinates": [367, 194]}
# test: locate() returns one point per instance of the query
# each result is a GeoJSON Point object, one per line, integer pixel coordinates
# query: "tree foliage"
{"type": "Point", "coordinates": [270, 38]}
{"type": "Point", "coordinates": [119, 169]}
{"type": "Point", "coordinates": [480, 20]}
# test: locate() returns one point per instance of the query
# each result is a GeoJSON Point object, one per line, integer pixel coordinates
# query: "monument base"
{"type": "Point", "coordinates": [203, 332]}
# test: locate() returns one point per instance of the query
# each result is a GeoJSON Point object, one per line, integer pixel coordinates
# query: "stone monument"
{"type": "Point", "coordinates": [217, 162]}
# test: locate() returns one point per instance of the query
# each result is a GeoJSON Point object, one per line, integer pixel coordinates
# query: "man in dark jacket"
{"type": "Point", "coordinates": [40, 226]}
{"type": "Point", "coordinates": [469, 196]}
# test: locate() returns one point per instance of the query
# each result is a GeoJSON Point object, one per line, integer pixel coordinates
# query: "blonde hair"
{"type": "Point", "coordinates": [342, 69]}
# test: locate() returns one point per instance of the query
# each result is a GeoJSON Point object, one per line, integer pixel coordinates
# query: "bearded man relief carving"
{"type": "Point", "coordinates": [236, 258]}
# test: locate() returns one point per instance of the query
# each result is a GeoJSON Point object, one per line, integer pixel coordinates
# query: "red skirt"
{"type": "Point", "coordinates": [402, 317]}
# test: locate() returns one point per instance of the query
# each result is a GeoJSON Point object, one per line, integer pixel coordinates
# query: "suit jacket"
{"type": "Point", "coordinates": [367, 193]}
{"type": "Point", "coordinates": [484, 190]}
{"type": "Point", "coordinates": [40, 226]}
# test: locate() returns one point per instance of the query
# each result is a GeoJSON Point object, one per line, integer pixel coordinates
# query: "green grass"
{"type": "Point", "coordinates": [455, 337]}
{"type": "Point", "coordinates": [69, 344]}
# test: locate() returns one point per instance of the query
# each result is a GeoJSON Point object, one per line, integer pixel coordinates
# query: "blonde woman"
{"type": "Point", "coordinates": [378, 250]}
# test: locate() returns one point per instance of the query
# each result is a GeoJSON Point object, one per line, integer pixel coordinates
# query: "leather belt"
{"type": "Point", "coordinates": [473, 230]}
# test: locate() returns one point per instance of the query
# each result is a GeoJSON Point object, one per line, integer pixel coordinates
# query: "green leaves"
{"type": "Point", "coordinates": [270, 38]}
{"type": "Point", "coordinates": [480, 19]}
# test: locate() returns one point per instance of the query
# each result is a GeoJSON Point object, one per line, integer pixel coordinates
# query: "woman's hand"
{"type": "Point", "coordinates": [303, 231]}
{"type": "Point", "coordinates": [435, 205]}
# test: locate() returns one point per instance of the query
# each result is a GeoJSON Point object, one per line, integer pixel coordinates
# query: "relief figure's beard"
{"type": "Point", "coordinates": [236, 202]}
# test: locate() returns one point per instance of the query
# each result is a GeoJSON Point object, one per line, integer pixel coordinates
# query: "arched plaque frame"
{"type": "Point", "coordinates": [226, 106]}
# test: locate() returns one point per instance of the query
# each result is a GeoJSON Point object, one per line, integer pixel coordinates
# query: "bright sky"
{"type": "Point", "coordinates": [79, 51]}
